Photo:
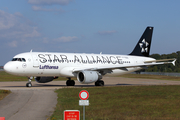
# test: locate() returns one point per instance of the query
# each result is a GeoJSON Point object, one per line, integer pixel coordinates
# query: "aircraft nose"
{"type": "Point", "coordinates": [7, 67]}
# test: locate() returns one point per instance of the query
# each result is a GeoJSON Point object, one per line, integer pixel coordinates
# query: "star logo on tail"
{"type": "Point", "coordinates": [144, 46]}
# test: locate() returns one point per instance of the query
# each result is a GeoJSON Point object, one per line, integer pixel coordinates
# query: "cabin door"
{"type": "Point", "coordinates": [35, 60]}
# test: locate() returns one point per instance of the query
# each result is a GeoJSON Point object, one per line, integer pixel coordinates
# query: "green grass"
{"type": "Point", "coordinates": [4, 93]}
{"type": "Point", "coordinates": [125, 102]}
{"type": "Point", "coordinates": [8, 77]}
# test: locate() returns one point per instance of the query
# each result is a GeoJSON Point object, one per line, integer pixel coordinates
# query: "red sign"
{"type": "Point", "coordinates": [71, 115]}
{"type": "Point", "coordinates": [2, 118]}
{"type": "Point", "coordinates": [83, 95]}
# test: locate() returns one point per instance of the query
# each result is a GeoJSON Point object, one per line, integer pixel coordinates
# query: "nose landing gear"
{"type": "Point", "coordinates": [29, 82]}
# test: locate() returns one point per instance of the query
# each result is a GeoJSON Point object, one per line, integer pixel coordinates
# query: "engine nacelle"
{"type": "Point", "coordinates": [45, 79]}
{"type": "Point", "coordinates": [88, 76]}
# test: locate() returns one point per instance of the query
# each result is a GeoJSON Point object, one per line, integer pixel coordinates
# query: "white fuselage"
{"type": "Point", "coordinates": [63, 64]}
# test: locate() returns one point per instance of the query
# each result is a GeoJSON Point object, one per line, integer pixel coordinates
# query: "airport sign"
{"type": "Point", "coordinates": [83, 102]}
{"type": "Point", "coordinates": [71, 115]}
{"type": "Point", "coordinates": [83, 95]}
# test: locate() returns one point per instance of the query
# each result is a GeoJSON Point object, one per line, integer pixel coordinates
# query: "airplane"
{"type": "Point", "coordinates": [88, 68]}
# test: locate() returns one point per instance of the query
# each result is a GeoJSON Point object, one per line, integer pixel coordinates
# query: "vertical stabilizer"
{"type": "Point", "coordinates": [143, 46]}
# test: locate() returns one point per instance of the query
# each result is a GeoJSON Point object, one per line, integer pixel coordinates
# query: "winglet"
{"type": "Point", "coordinates": [173, 62]}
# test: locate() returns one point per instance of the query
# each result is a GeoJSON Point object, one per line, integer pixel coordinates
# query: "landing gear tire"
{"type": "Point", "coordinates": [70, 83]}
{"type": "Point", "coordinates": [28, 85]}
{"type": "Point", "coordinates": [29, 82]}
{"type": "Point", "coordinates": [99, 83]}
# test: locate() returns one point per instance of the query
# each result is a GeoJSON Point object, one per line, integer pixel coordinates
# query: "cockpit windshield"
{"type": "Point", "coordinates": [19, 59]}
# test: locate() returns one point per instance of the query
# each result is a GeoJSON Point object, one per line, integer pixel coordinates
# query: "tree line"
{"type": "Point", "coordinates": [165, 67]}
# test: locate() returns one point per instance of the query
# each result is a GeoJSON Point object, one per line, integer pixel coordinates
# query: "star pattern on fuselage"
{"type": "Point", "coordinates": [144, 46]}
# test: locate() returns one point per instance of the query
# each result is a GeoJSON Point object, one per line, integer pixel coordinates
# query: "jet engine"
{"type": "Point", "coordinates": [45, 79]}
{"type": "Point", "coordinates": [88, 76]}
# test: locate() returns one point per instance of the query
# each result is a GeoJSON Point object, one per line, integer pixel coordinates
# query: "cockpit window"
{"type": "Point", "coordinates": [14, 59]}
{"type": "Point", "coordinates": [19, 59]}
{"type": "Point", "coordinates": [23, 60]}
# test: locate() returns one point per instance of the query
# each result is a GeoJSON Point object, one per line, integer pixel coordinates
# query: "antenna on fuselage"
{"type": "Point", "coordinates": [31, 50]}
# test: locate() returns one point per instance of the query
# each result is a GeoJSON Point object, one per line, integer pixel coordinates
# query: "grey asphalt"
{"type": "Point", "coordinates": [38, 102]}
{"type": "Point", "coordinates": [28, 104]}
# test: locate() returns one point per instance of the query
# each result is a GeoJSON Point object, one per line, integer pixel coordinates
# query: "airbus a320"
{"type": "Point", "coordinates": [88, 68]}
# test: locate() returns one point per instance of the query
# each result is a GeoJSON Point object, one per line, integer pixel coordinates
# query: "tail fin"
{"type": "Point", "coordinates": [143, 46]}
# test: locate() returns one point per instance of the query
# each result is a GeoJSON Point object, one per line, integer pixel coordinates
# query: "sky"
{"type": "Point", "coordinates": [87, 26]}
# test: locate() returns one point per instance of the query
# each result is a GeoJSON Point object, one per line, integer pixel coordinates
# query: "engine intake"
{"type": "Point", "coordinates": [88, 76]}
{"type": "Point", "coordinates": [45, 79]}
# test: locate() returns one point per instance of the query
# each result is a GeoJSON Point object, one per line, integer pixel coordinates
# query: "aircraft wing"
{"type": "Point", "coordinates": [166, 61]}
{"type": "Point", "coordinates": [146, 63]}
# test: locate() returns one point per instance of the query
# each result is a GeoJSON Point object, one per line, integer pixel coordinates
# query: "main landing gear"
{"type": "Point", "coordinates": [70, 82]}
{"type": "Point", "coordinates": [29, 82]}
{"type": "Point", "coordinates": [99, 83]}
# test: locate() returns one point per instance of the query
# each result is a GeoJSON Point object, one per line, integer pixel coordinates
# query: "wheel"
{"type": "Point", "coordinates": [96, 83]}
{"type": "Point", "coordinates": [99, 83]}
{"type": "Point", "coordinates": [28, 85]}
{"type": "Point", "coordinates": [70, 83]}
{"type": "Point", "coordinates": [67, 82]}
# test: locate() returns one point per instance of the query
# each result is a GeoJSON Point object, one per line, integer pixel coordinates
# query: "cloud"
{"type": "Point", "coordinates": [106, 32]}
{"type": "Point", "coordinates": [39, 5]}
{"type": "Point", "coordinates": [40, 8]}
{"type": "Point", "coordinates": [33, 33]}
{"type": "Point", "coordinates": [66, 39]}
{"type": "Point", "coordinates": [6, 20]}
{"type": "Point", "coordinates": [18, 14]}
{"type": "Point", "coordinates": [49, 2]}
{"type": "Point", "coordinates": [16, 27]}
{"type": "Point", "coordinates": [12, 44]}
